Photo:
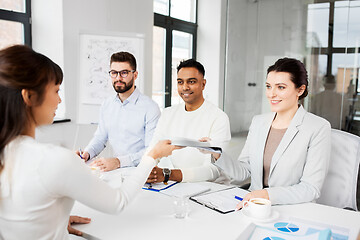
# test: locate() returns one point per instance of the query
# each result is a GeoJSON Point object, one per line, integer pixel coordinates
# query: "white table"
{"type": "Point", "coordinates": [150, 216]}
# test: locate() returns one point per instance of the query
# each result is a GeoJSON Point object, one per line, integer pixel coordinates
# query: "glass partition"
{"type": "Point", "coordinates": [324, 35]}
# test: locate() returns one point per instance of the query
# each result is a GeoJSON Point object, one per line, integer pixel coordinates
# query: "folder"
{"type": "Point", "coordinates": [160, 186]}
{"type": "Point", "coordinates": [186, 142]}
{"type": "Point", "coordinates": [178, 189]}
{"type": "Point", "coordinates": [223, 201]}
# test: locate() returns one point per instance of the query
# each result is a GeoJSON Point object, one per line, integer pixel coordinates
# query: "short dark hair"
{"type": "Point", "coordinates": [124, 57]}
{"type": "Point", "coordinates": [296, 69]}
{"type": "Point", "coordinates": [191, 63]}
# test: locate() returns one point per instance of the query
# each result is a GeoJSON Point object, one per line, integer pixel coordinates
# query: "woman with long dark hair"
{"type": "Point", "coordinates": [39, 182]}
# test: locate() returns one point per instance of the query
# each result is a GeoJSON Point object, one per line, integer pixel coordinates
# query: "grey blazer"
{"type": "Point", "coordinates": [299, 164]}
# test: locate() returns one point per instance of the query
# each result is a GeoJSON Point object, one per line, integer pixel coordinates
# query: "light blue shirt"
{"type": "Point", "coordinates": [128, 126]}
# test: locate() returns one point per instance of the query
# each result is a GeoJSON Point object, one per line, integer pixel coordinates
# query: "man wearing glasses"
{"type": "Point", "coordinates": [127, 119]}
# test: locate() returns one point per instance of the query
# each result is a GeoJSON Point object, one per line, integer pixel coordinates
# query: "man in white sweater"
{"type": "Point", "coordinates": [195, 118]}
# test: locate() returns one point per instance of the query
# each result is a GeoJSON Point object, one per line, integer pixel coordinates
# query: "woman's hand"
{"type": "Point", "coordinates": [215, 156]}
{"type": "Point", "coordinates": [254, 194]}
{"type": "Point", "coordinates": [77, 219]}
{"type": "Point", "coordinates": [162, 149]}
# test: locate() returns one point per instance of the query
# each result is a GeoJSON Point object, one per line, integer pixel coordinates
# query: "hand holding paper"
{"type": "Point", "coordinates": [203, 144]}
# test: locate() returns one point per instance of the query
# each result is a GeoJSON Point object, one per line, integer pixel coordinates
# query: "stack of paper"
{"type": "Point", "coordinates": [186, 142]}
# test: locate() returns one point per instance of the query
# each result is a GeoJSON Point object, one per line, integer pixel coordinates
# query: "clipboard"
{"type": "Point", "coordinates": [157, 187]}
{"type": "Point", "coordinates": [223, 201]}
{"type": "Point", "coordinates": [177, 189]}
{"type": "Point", "coordinates": [186, 190]}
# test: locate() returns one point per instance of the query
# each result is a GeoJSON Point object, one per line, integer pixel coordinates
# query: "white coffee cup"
{"type": "Point", "coordinates": [258, 208]}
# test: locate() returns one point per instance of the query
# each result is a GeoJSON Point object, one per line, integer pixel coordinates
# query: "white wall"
{"type": "Point", "coordinates": [48, 36]}
{"type": "Point", "coordinates": [211, 47]}
{"type": "Point", "coordinates": [102, 16]}
{"type": "Point", "coordinates": [56, 28]}
{"type": "Point", "coordinates": [47, 29]}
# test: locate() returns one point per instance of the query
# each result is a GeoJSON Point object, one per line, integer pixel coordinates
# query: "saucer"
{"type": "Point", "coordinates": [273, 216]}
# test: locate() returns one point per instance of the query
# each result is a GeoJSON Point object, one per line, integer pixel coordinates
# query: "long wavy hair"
{"type": "Point", "coordinates": [21, 68]}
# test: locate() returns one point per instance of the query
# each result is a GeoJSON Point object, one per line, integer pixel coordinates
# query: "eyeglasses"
{"type": "Point", "coordinates": [123, 73]}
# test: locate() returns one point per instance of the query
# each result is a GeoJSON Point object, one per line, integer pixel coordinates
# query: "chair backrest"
{"type": "Point", "coordinates": [339, 189]}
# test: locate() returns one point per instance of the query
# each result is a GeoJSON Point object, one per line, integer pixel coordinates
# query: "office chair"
{"type": "Point", "coordinates": [339, 189]}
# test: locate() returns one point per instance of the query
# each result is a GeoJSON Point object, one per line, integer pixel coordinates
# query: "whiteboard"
{"type": "Point", "coordinates": [95, 52]}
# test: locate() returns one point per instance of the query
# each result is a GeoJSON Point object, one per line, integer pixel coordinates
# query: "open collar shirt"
{"type": "Point", "coordinates": [128, 126]}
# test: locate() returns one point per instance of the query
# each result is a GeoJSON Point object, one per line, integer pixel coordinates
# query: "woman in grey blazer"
{"type": "Point", "coordinates": [287, 152]}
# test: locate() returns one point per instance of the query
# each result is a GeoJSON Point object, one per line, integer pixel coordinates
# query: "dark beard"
{"type": "Point", "coordinates": [125, 88]}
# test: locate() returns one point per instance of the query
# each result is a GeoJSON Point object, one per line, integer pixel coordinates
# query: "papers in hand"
{"type": "Point", "coordinates": [187, 142]}
{"type": "Point", "coordinates": [223, 201]}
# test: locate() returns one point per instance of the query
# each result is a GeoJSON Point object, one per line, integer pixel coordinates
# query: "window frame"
{"type": "Point", "coordinates": [330, 50]}
{"type": "Point", "coordinates": [169, 24]}
{"type": "Point", "coordinates": [21, 17]}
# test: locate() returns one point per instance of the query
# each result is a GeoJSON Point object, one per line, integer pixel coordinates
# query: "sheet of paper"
{"type": "Point", "coordinates": [270, 234]}
{"type": "Point", "coordinates": [186, 142]}
{"type": "Point", "coordinates": [186, 189]}
{"type": "Point", "coordinates": [294, 228]}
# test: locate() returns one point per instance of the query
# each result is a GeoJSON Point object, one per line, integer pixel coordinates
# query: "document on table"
{"type": "Point", "coordinates": [186, 190]}
{"type": "Point", "coordinates": [160, 186]}
{"type": "Point", "coordinates": [177, 189]}
{"type": "Point", "coordinates": [223, 201]}
{"type": "Point", "coordinates": [291, 228]}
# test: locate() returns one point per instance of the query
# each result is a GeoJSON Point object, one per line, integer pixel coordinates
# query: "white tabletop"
{"type": "Point", "coordinates": [151, 216]}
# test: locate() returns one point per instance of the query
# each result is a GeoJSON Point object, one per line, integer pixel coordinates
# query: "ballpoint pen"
{"type": "Point", "coordinates": [80, 153]}
{"type": "Point", "coordinates": [238, 198]}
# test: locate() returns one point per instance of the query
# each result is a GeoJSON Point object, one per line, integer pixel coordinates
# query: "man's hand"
{"type": "Point", "coordinates": [156, 175]}
{"type": "Point", "coordinates": [254, 194]}
{"type": "Point", "coordinates": [83, 155]}
{"type": "Point", "coordinates": [77, 219]}
{"type": "Point", "coordinates": [106, 164]}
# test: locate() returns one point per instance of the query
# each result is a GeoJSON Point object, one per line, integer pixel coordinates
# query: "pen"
{"type": "Point", "coordinates": [80, 153]}
{"type": "Point", "coordinates": [238, 198]}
